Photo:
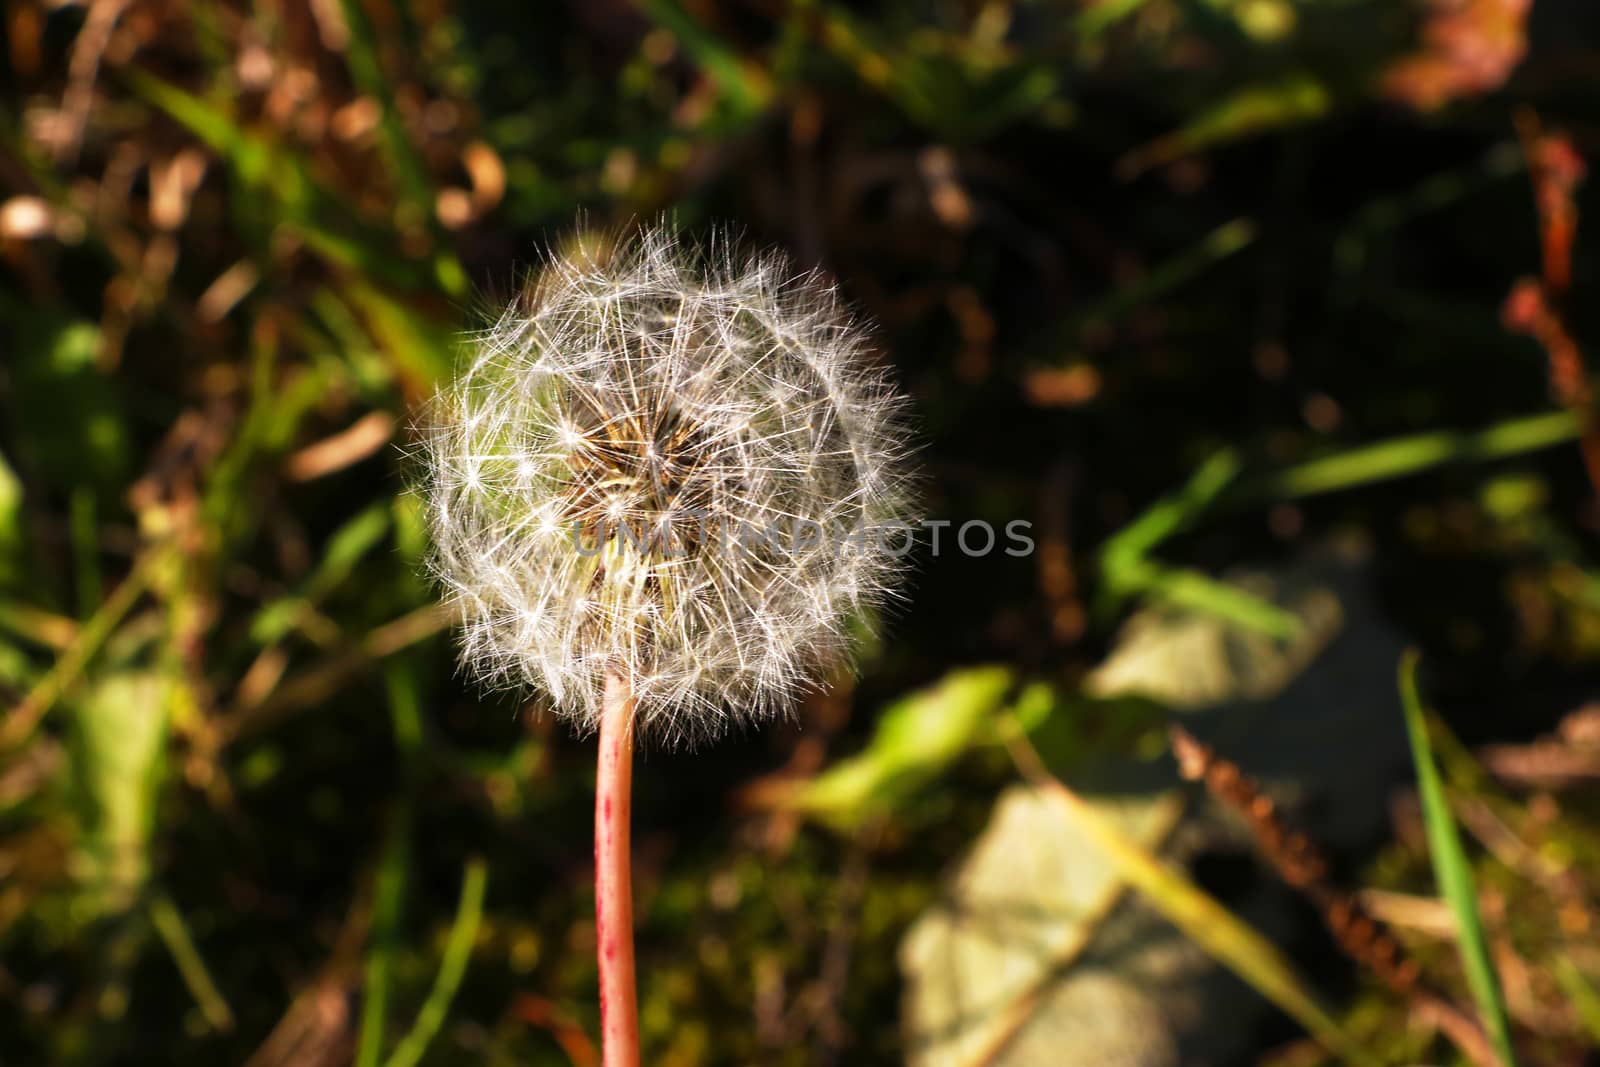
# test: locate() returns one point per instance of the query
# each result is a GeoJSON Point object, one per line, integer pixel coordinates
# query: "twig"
{"type": "Point", "coordinates": [1537, 306]}
{"type": "Point", "coordinates": [87, 52]}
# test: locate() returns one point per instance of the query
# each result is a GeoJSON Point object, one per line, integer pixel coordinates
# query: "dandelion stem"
{"type": "Point", "coordinates": [613, 876]}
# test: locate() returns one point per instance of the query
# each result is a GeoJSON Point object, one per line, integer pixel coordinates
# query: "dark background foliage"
{"type": "Point", "coordinates": [1304, 257]}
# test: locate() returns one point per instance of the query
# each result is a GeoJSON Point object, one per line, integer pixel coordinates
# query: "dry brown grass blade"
{"type": "Point", "coordinates": [318, 683]}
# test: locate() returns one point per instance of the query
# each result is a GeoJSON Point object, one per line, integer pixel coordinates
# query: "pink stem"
{"type": "Point", "coordinates": [613, 877]}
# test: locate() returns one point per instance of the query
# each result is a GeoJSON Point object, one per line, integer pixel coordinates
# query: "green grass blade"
{"type": "Point", "coordinates": [361, 56]}
{"type": "Point", "coordinates": [389, 898]}
{"type": "Point", "coordinates": [1583, 997]}
{"type": "Point", "coordinates": [1290, 101]}
{"type": "Point", "coordinates": [1127, 568]}
{"type": "Point", "coordinates": [742, 85]}
{"type": "Point", "coordinates": [20, 722]}
{"type": "Point", "coordinates": [1400, 457]}
{"type": "Point", "coordinates": [456, 953]}
{"type": "Point", "coordinates": [1193, 590]}
{"type": "Point", "coordinates": [1165, 277]}
{"type": "Point", "coordinates": [174, 933]}
{"type": "Point", "coordinates": [1451, 869]}
{"type": "Point", "coordinates": [346, 548]}
{"type": "Point", "coordinates": [405, 713]}
{"type": "Point", "coordinates": [1171, 514]}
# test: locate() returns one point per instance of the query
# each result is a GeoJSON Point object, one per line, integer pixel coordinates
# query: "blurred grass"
{"type": "Point", "coordinates": [405, 713]}
{"type": "Point", "coordinates": [237, 247]}
{"type": "Point", "coordinates": [175, 933]}
{"type": "Point", "coordinates": [452, 966]}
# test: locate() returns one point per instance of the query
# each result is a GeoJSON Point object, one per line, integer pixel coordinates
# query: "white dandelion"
{"type": "Point", "coordinates": [672, 465]}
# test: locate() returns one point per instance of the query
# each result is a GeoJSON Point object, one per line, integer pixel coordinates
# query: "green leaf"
{"type": "Point", "coordinates": [1451, 868]}
{"type": "Point", "coordinates": [1096, 18]}
{"type": "Point", "coordinates": [118, 747]}
{"type": "Point", "coordinates": [403, 161]}
{"type": "Point", "coordinates": [916, 738]}
{"type": "Point", "coordinates": [258, 162]}
{"type": "Point", "coordinates": [1160, 280]}
{"type": "Point", "coordinates": [1009, 922]}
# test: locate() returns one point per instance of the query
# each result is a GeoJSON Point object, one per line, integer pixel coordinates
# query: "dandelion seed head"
{"type": "Point", "coordinates": [600, 474]}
